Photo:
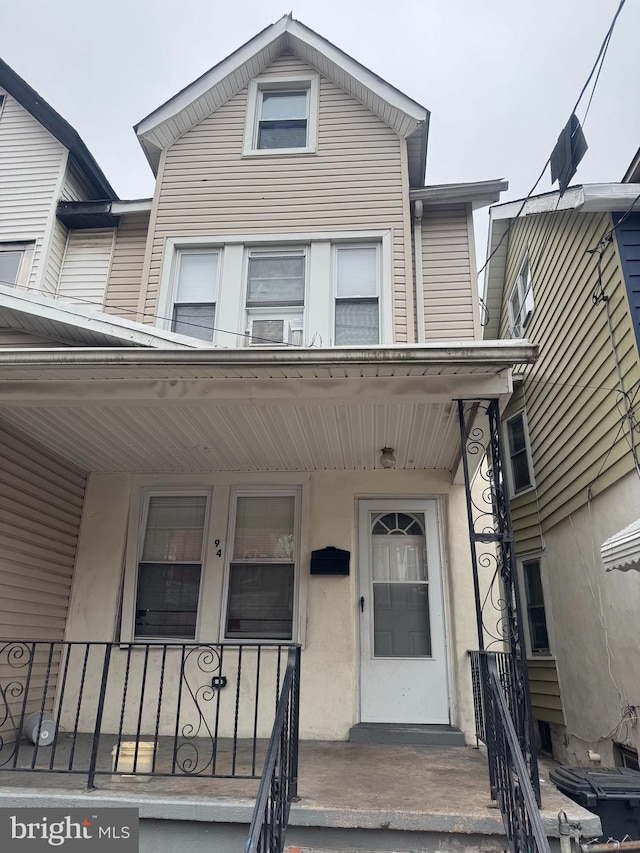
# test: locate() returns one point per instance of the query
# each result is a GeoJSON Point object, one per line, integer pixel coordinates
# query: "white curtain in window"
{"type": "Point", "coordinates": [197, 276]}
{"type": "Point", "coordinates": [175, 526]}
{"type": "Point", "coordinates": [357, 271]}
{"type": "Point", "coordinates": [264, 528]}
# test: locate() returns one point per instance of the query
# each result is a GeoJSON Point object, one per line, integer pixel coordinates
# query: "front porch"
{"type": "Point", "coordinates": [352, 796]}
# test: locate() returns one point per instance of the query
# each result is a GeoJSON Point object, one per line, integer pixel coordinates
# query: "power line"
{"type": "Point", "coordinates": [599, 61]}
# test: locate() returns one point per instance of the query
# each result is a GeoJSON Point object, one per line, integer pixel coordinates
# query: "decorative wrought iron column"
{"type": "Point", "coordinates": [495, 577]}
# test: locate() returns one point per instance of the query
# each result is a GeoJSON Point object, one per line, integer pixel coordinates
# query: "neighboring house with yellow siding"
{"type": "Point", "coordinates": [564, 274]}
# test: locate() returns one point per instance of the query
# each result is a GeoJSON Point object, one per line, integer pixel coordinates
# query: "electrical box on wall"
{"type": "Point", "coordinates": [330, 561]}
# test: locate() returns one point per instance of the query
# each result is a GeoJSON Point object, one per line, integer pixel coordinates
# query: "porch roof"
{"type": "Point", "coordinates": [176, 411]}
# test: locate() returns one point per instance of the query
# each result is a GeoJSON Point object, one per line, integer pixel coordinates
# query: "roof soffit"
{"type": "Point", "coordinates": [214, 88]}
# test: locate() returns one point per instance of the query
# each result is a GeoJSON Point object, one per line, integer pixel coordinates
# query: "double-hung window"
{"type": "Point", "coordinates": [357, 308]}
{"type": "Point", "coordinates": [15, 264]}
{"type": "Point", "coordinates": [521, 301]}
{"type": "Point", "coordinates": [282, 115]}
{"type": "Point", "coordinates": [262, 569]}
{"type": "Point", "coordinates": [276, 282]}
{"type": "Point", "coordinates": [170, 565]}
{"type": "Point", "coordinates": [195, 293]}
{"type": "Point", "coordinates": [283, 121]}
{"type": "Point", "coordinates": [536, 616]}
{"type": "Point", "coordinates": [521, 466]}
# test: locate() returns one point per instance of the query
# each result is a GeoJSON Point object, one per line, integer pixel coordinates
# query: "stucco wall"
{"type": "Point", "coordinates": [328, 620]}
{"type": "Point", "coordinates": [595, 627]}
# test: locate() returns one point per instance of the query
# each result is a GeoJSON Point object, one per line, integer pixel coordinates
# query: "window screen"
{"type": "Point", "coordinates": [520, 470]}
{"type": "Point", "coordinates": [9, 267]}
{"type": "Point", "coordinates": [275, 280]}
{"type": "Point", "coordinates": [538, 634]}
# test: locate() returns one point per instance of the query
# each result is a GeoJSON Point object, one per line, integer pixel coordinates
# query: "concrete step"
{"type": "Point", "coordinates": [395, 734]}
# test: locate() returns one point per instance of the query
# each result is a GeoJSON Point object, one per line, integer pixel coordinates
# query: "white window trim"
{"type": "Point", "coordinates": [137, 522]}
{"type": "Point", "coordinates": [300, 82]}
{"type": "Point", "coordinates": [527, 443]}
{"type": "Point", "coordinates": [337, 244]}
{"type": "Point", "coordinates": [169, 280]}
{"type": "Point", "coordinates": [319, 301]}
{"type": "Point", "coordinates": [524, 291]}
{"type": "Point", "coordinates": [526, 558]}
{"type": "Point", "coordinates": [297, 494]}
{"type": "Point", "coordinates": [24, 270]}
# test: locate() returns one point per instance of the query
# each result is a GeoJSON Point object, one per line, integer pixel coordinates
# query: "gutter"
{"type": "Point", "coordinates": [501, 354]}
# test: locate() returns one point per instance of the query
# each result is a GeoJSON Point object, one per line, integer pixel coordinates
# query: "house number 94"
{"type": "Point", "coordinates": [218, 548]}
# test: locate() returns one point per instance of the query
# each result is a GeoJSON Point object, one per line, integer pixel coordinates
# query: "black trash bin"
{"type": "Point", "coordinates": [613, 793]}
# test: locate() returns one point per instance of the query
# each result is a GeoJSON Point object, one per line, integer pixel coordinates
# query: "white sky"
{"type": "Point", "coordinates": [499, 76]}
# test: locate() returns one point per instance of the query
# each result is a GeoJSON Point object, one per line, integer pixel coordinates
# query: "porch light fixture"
{"type": "Point", "coordinates": [388, 457]}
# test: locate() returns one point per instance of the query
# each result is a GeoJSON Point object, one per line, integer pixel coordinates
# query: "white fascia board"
{"type": "Point", "coordinates": [590, 198]}
{"type": "Point", "coordinates": [413, 113]}
{"type": "Point", "coordinates": [478, 193]}
{"type": "Point", "coordinates": [385, 91]}
{"type": "Point", "coordinates": [212, 77]}
{"type": "Point", "coordinates": [136, 205]}
{"type": "Point", "coordinates": [88, 320]}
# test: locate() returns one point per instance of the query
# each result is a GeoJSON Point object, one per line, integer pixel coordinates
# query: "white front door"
{"type": "Point", "coordinates": [403, 669]}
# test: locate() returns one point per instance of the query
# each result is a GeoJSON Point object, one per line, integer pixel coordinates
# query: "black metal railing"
{"type": "Point", "coordinates": [147, 709]}
{"type": "Point", "coordinates": [279, 782]}
{"type": "Point", "coordinates": [512, 688]}
{"type": "Point", "coordinates": [508, 768]}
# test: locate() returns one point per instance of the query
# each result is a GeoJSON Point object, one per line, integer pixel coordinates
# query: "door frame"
{"type": "Point", "coordinates": [390, 500]}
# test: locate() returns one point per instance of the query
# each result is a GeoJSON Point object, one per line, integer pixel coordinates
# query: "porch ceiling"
{"type": "Point", "coordinates": [198, 412]}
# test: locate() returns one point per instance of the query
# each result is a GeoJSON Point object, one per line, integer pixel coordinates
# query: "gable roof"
{"type": "Point", "coordinates": [586, 198]}
{"type": "Point", "coordinates": [58, 127]}
{"type": "Point", "coordinates": [218, 85]}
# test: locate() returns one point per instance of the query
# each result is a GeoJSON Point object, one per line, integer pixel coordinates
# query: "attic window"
{"type": "Point", "coordinates": [281, 116]}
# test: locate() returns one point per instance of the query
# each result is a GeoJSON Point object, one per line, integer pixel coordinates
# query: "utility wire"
{"type": "Point", "coordinates": [599, 61]}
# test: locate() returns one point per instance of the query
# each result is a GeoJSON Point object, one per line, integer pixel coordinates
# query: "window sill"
{"type": "Point", "coordinates": [514, 495]}
{"type": "Point", "coordinates": [277, 152]}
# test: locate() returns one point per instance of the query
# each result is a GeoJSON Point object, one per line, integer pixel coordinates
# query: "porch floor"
{"type": "Point", "coordinates": [341, 785]}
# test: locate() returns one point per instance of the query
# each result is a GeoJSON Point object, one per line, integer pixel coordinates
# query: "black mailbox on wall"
{"type": "Point", "coordinates": [330, 561]}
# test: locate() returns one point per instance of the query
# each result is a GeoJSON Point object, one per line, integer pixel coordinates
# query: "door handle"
{"type": "Point", "coordinates": [362, 604]}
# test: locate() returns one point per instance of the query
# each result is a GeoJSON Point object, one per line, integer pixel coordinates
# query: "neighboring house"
{"type": "Point", "coordinates": [204, 391]}
{"type": "Point", "coordinates": [565, 276]}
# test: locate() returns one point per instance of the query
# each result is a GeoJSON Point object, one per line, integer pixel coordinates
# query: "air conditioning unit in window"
{"type": "Point", "coordinates": [264, 333]}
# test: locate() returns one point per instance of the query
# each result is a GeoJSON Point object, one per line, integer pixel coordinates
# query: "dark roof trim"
{"type": "Point", "coordinates": [58, 127]}
{"type": "Point", "coordinates": [86, 214]}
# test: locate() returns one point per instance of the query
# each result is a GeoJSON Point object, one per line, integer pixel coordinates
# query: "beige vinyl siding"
{"type": "Point", "coordinates": [40, 507]}
{"type": "Point", "coordinates": [85, 270]}
{"type": "Point", "coordinates": [75, 187]}
{"type": "Point", "coordinates": [353, 182]}
{"type": "Point", "coordinates": [546, 703]}
{"type": "Point", "coordinates": [571, 392]}
{"type": "Point", "coordinates": [56, 255]}
{"type": "Point", "coordinates": [125, 278]}
{"type": "Point", "coordinates": [449, 305]}
{"type": "Point", "coordinates": [31, 160]}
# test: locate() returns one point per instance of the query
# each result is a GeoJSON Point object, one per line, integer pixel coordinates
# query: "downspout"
{"type": "Point", "coordinates": [417, 253]}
